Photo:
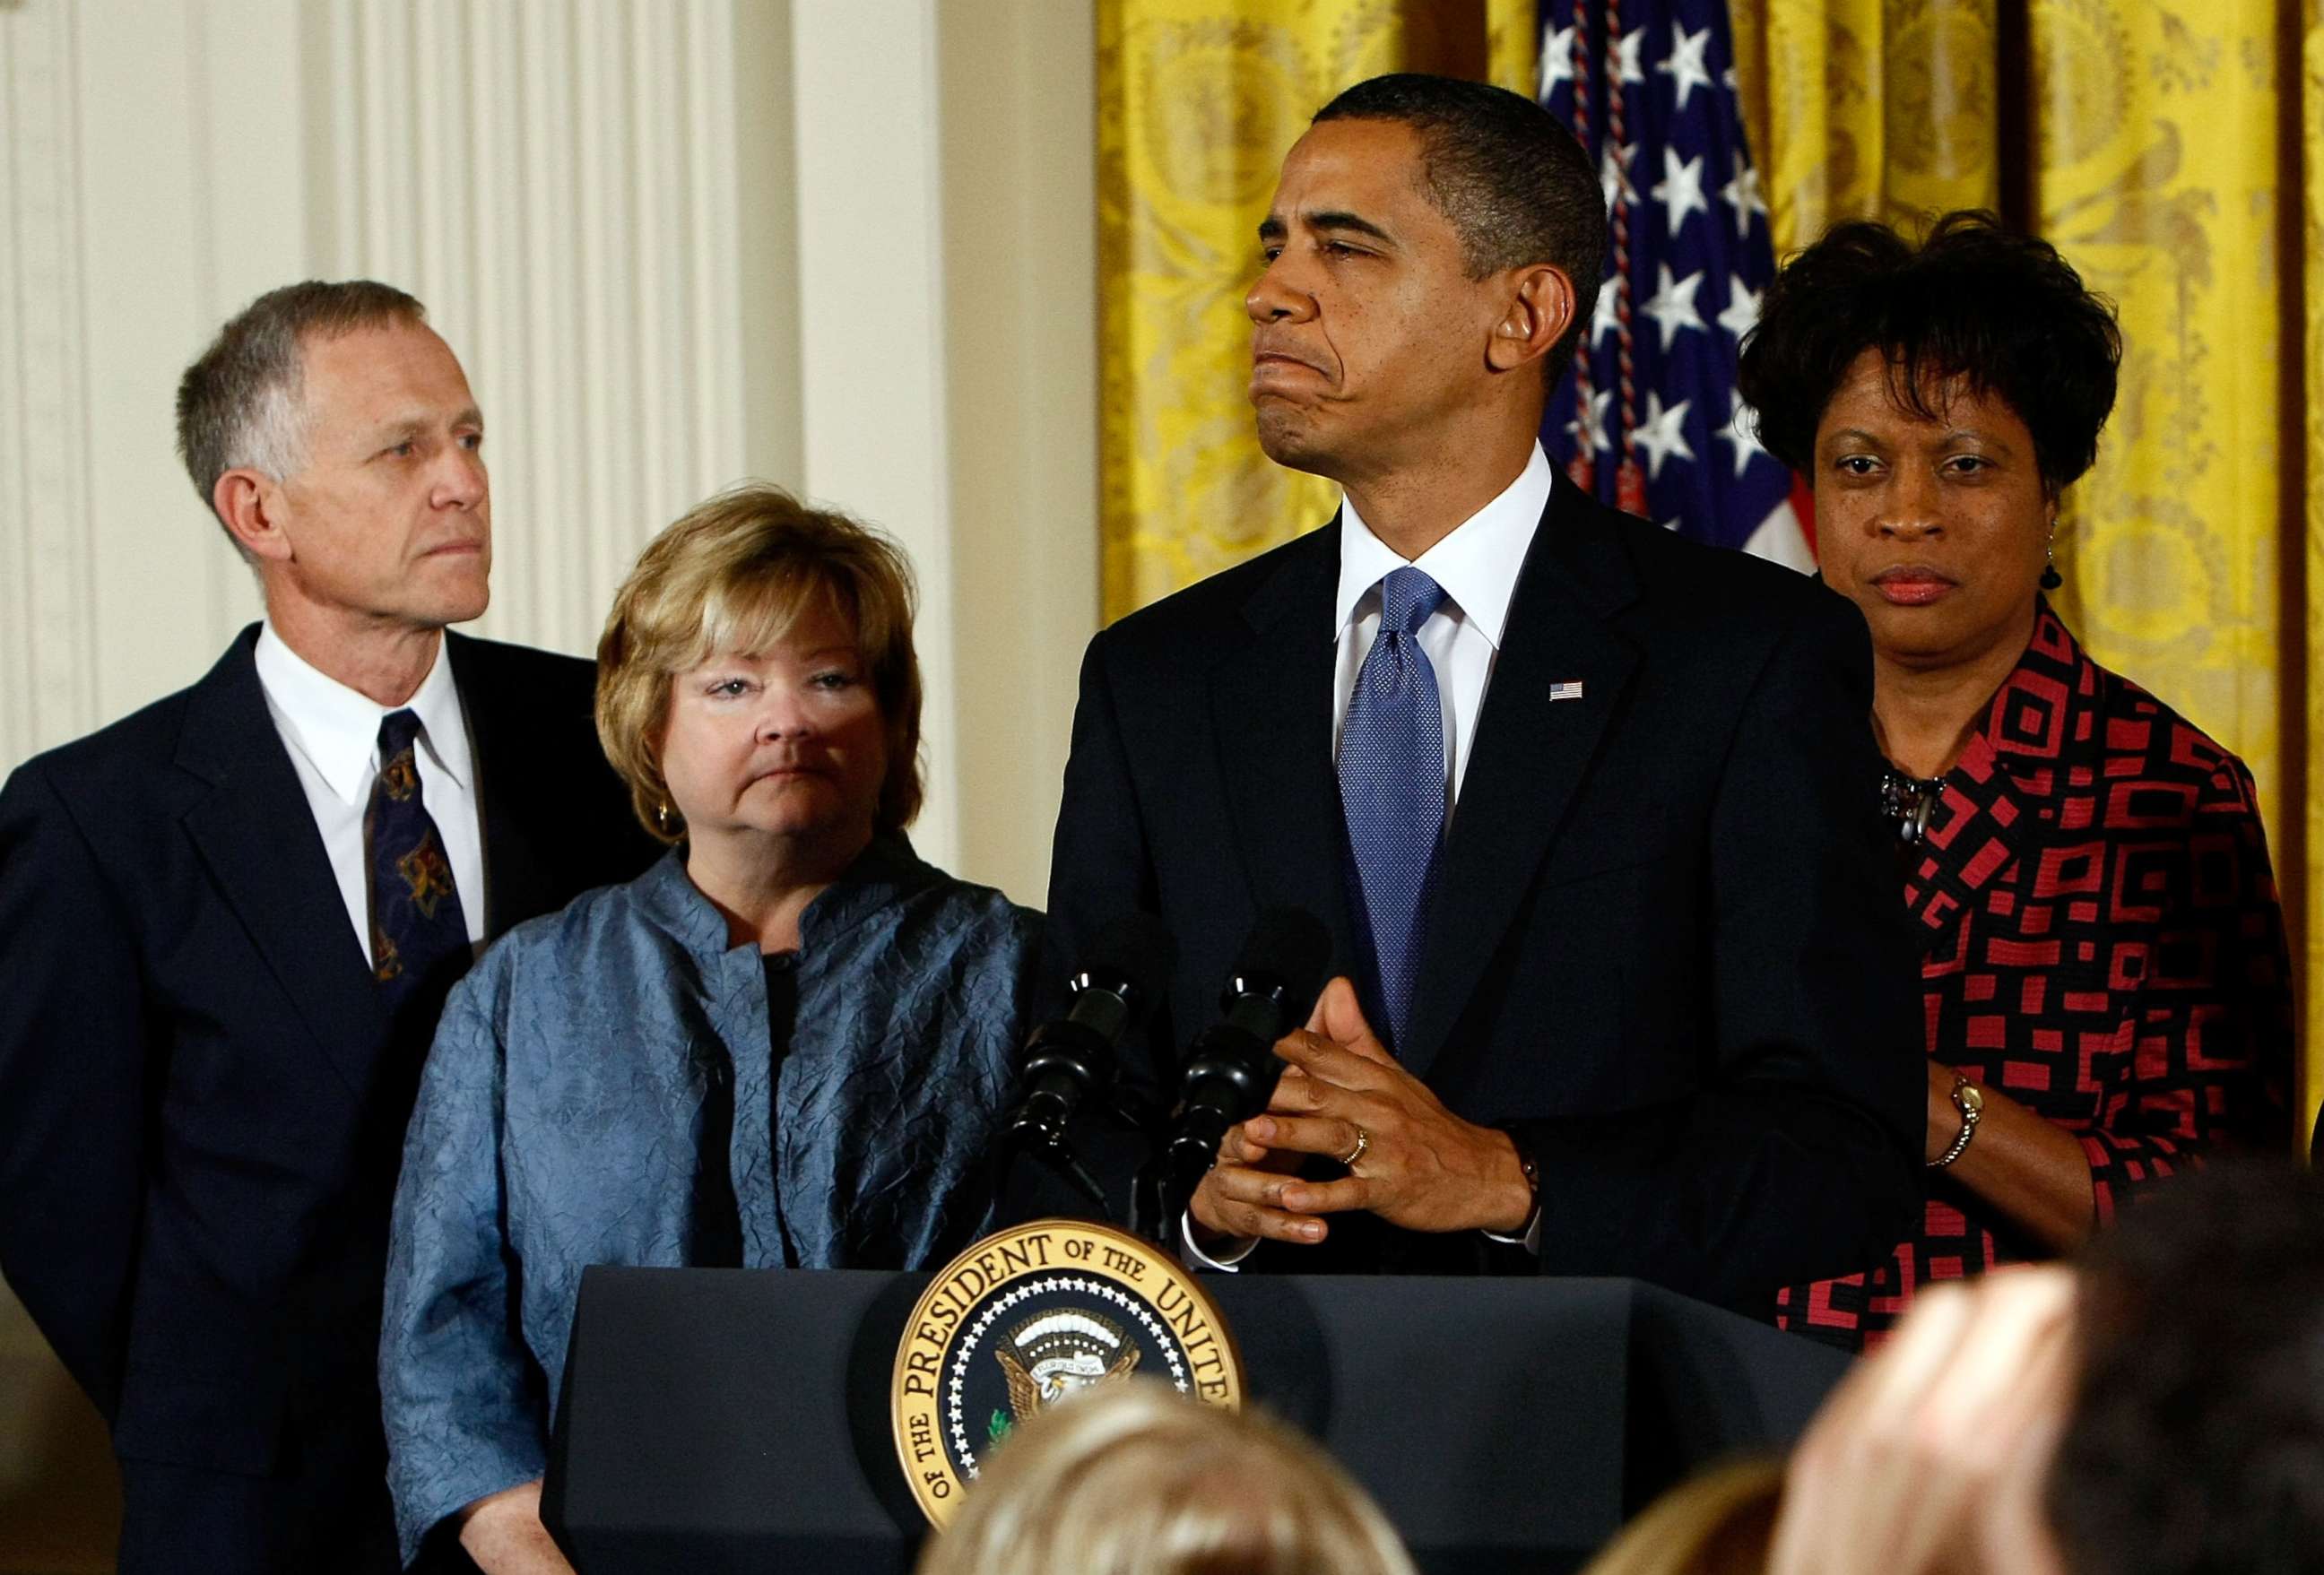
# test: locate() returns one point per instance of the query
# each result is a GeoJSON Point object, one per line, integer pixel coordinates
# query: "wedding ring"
{"type": "Point", "coordinates": [1363, 1141]}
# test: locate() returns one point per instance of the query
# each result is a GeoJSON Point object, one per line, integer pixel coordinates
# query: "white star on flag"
{"type": "Point", "coordinates": [1614, 172]}
{"type": "Point", "coordinates": [1742, 313]}
{"type": "Point", "coordinates": [1662, 433]}
{"type": "Point", "coordinates": [1591, 434]}
{"type": "Point", "coordinates": [1741, 431]}
{"type": "Point", "coordinates": [1626, 51]}
{"type": "Point", "coordinates": [1673, 304]}
{"type": "Point", "coordinates": [1607, 317]}
{"type": "Point", "coordinates": [1742, 195]}
{"type": "Point", "coordinates": [1556, 59]}
{"type": "Point", "coordinates": [1685, 65]}
{"type": "Point", "coordinates": [1680, 190]}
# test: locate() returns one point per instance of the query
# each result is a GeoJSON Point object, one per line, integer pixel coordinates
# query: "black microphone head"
{"type": "Point", "coordinates": [1135, 952]}
{"type": "Point", "coordinates": [1288, 950]}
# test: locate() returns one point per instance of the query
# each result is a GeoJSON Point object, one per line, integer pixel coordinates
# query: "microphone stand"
{"type": "Point", "coordinates": [1055, 1150]}
{"type": "Point", "coordinates": [1050, 1142]}
{"type": "Point", "coordinates": [1152, 1215]}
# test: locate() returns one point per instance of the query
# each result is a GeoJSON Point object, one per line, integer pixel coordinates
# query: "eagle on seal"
{"type": "Point", "coordinates": [1057, 1354]}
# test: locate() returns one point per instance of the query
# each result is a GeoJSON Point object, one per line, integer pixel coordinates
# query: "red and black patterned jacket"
{"type": "Point", "coordinates": [2101, 942]}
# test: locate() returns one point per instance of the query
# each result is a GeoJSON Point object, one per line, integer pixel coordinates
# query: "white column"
{"type": "Point", "coordinates": [147, 187]}
{"type": "Point", "coordinates": [871, 341]}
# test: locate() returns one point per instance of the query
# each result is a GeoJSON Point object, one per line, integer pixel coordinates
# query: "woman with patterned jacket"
{"type": "Point", "coordinates": [2103, 966]}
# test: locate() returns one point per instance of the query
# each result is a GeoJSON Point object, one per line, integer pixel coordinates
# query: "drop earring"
{"type": "Point", "coordinates": [2051, 578]}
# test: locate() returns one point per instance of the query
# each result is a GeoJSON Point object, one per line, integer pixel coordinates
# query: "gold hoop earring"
{"type": "Point", "coordinates": [667, 819]}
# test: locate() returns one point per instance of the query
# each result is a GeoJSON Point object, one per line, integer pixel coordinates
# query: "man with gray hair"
{"type": "Point", "coordinates": [231, 919]}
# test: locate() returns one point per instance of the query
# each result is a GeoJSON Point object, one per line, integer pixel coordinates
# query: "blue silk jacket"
{"type": "Point", "coordinates": [580, 1073]}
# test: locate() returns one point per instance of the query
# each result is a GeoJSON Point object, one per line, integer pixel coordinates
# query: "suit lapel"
{"type": "Point", "coordinates": [1530, 755]}
{"type": "Point", "coordinates": [1271, 711]}
{"type": "Point", "coordinates": [256, 833]}
{"type": "Point", "coordinates": [501, 738]}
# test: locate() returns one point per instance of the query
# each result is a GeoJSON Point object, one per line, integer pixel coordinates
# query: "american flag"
{"type": "Point", "coordinates": [1650, 421]}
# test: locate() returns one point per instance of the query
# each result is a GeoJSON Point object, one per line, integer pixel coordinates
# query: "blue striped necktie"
{"type": "Point", "coordinates": [1392, 790]}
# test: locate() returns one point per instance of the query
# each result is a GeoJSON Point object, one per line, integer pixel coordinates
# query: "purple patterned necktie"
{"type": "Point", "coordinates": [1392, 789]}
{"type": "Point", "coordinates": [418, 932]}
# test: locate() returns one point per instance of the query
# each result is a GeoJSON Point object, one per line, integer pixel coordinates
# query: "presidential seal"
{"type": "Point", "coordinates": [1030, 1318]}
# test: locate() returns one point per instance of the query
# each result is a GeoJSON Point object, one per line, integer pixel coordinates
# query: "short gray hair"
{"type": "Point", "coordinates": [242, 403]}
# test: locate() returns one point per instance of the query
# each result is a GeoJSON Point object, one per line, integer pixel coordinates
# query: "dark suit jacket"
{"type": "Point", "coordinates": [1666, 946]}
{"type": "Point", "coordinates": [201, 1106]}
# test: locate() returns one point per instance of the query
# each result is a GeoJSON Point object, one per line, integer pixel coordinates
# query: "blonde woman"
{"type": "Point", "coordinates": [1138, 1480]}
{"type": "Point", "coordinates": [785, 1045]}
{"type": "Point", "coordinates": [1720, 1523]}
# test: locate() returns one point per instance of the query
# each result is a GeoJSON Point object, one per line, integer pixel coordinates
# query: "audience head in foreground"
{"type": "Point", "coordinates": [1940, 397]}
{"type": "Point", "coordinates": [1139, 1480]}
{"type": "Point", "coordinates": [2156, 1410]}
{"type": "Point", "coordinates": [1719, 1522]}
{"type": "Point", "coordinates": [2195, 1444]}
{"type": "Point", "coordinates": [788, 1043]}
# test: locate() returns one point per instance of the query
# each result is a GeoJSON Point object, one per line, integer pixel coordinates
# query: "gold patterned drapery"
{"type": "Point", "coordinates": [2171, 148]}
{"type": "Point", "coordinates": [1198, 100]}
{"type": "Point", "coordinates": [2158, 144]}
{"type": "Point", "coordinates": [2302, 461]}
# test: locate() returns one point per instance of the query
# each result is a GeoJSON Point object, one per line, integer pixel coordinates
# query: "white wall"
{"type": "Point", "coordinates": [1017, 85]}
{"type": "Point", "coordinates": [847, 246]}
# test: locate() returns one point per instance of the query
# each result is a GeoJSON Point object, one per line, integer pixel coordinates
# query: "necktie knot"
{"type": "Point", "coordinates": [397, 731]}
{"type": "Point", "coordinates": [1408, 597]}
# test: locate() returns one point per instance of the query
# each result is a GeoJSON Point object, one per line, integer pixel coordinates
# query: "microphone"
{"type": "Point", "coordinates": [1232, 1067]}
{"type": "Point", "coordinates": [1069, 1059]}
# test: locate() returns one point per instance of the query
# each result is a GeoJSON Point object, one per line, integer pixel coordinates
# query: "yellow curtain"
{"type": "Point", "coordinates": [1198, 100]}
{"type": "Point", "coordinates": [1871, 108]}
{"type": "Point", "coordinates": [2306, 558]}
{"type": "Point", "coordinates": [2157, 143]}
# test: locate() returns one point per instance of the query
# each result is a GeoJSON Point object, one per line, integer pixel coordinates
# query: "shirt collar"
{"type": "Point", "coordinates": [337, 728]}
{"type": "Point", "coordinates": [884, 873]}
{"type": "Point", "coordinates": [1477, 565]}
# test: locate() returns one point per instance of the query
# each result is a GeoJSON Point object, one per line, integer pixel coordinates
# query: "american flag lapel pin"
{"type": "Point", "coordinates": [1569, 690]}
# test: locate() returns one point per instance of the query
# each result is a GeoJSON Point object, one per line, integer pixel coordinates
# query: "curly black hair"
{"type": "Point", "coordinates": [1976, 302]}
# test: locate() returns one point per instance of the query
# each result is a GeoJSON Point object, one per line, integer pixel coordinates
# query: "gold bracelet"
{"type": "Point", "coordinates": [1969, 1101]}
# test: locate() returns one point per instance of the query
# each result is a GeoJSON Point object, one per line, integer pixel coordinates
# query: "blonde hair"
{"type": "Point", "coordinates": [734, 576]}
{"type": "Point", "coordinates": [1139, 1480]}
{"type": "Point", "coordinates": [1720, 1523]}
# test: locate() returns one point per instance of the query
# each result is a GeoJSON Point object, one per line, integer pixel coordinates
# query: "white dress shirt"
{"type": "Point", "coordinates": [332, 732]}
{"type": "Point", "coordinates": [1477, 565]}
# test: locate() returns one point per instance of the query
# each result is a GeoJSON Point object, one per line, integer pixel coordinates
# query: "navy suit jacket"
{"type": "Point", "coordinates": [201, 1106]}
{"type": "Point", "coordinates": [1666, 946]}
